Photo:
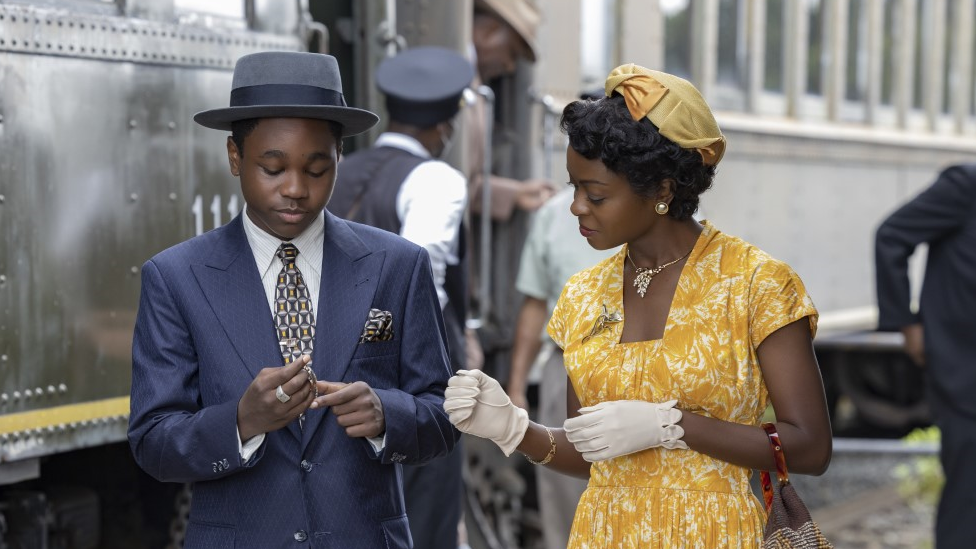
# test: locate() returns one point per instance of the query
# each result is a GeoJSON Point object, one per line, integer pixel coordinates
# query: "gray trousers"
{"type": "Point", "coordinates": [558, 494]}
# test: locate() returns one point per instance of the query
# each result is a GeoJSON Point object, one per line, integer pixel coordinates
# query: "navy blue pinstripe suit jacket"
{"type": "Point", "coordinates": [204, 330]}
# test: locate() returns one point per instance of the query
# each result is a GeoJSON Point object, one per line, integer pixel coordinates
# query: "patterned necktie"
{"type": "Point", "coordinates": [293, 308]}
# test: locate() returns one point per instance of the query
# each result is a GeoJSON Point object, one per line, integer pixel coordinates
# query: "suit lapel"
{"type": "Point", "coordinates": [232, 286]}
{"type": "Point", "coordinates": [350, 272]}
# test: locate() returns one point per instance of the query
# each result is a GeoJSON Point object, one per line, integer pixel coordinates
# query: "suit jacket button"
{"type": "Point", "coordinates": [306, 465]}
{"type": "Point", "coordinates": [301, 535]}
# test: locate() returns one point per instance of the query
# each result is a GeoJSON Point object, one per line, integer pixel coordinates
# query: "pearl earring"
{"type": "Point", "coordinates": [661, 208]}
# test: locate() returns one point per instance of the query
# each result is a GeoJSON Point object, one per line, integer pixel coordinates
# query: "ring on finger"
{"type": "Point", "coordinates": [281, 395]}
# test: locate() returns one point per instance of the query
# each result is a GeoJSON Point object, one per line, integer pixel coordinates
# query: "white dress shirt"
{"type": "Point", "coordinates": [430, 206]}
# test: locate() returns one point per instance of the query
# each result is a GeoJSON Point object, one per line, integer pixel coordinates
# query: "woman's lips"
{"type": "Point", "coordinates": [586, 232]}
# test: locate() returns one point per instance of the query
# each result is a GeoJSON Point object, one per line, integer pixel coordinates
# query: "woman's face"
{"type": "Point", "coordinates": [608, 210]}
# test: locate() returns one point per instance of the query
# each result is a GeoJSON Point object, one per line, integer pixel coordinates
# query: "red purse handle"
{"type": "Point", "coordinates": [781, 472]}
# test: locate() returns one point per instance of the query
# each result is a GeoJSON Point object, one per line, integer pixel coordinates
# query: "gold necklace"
{"type": "Point", "coordinates": [646, 274]}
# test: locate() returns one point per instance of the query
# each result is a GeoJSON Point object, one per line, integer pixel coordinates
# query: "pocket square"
{"type": "Point", "coordinates": [379, 326]}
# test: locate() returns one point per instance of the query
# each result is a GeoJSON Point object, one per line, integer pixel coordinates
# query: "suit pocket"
{"type": "Point", "coordinates": [375, 349]}
{"type": "Point", "coordinates": [210, 536]}
{"type": "Point", "coordinates": [397, 533]}
{"type": "Point", "coordinates": [379, 367]}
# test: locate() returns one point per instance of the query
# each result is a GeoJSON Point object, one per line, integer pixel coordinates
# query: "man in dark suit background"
{"type": "Point", "coordinates": [941, 335]}
{"type": "Point", "coordinates": [401, 185]}
{"type": "Point", "coordinates": [310, 451]}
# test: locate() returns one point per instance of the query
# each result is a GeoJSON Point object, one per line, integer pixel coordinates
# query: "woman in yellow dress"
{"type": "Point", "coordinates": [673, 346]}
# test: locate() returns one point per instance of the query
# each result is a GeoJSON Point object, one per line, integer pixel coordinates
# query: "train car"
{"type": "Point", "coordinates": [836, 112]}
{"type": "Point", "coordinates": [101, 167]}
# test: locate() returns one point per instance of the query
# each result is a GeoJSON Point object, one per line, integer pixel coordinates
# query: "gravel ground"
{"type": "Point", "coordinates": [858, 505]}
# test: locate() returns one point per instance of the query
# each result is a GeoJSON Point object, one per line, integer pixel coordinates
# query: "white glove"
{"type": "Point", "coordinates": [620, 427]}
{"type": "Point", "coordinates": [477, 405]}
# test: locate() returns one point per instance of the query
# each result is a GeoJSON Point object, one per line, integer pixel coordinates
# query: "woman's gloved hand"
{"type": "Point", "coordinates": [477, 405]}
{"type": "Point", "coordinates": [617, 428]}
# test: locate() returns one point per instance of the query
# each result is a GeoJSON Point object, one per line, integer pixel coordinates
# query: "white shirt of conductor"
{"type": "Point", "coordinates": [423, 90]}
{"type": "Point", "coordinates": [430, 206]}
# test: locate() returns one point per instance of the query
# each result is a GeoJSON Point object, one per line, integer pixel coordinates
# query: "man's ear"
{"type": "Point", "coordinates": [233, 157]}
{"type": "Point", "coordinates": [338, 149]}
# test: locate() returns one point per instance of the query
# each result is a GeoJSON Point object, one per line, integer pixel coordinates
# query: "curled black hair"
{"type": "Point", "coordinates": [240, 129]}
{"type": "Point", "coordinates": [603, 129]}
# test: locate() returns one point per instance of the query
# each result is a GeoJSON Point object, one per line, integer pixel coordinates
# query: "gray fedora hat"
{"type": "Point", "coordinates": [280, 84]}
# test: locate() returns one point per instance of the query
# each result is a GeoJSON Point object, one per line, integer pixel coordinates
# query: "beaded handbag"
{"type": "Point", "coordinates": [788, 523]}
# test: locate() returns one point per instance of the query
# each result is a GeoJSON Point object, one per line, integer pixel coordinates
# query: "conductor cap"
{"type": "Point", "coordinates": [423, 85]}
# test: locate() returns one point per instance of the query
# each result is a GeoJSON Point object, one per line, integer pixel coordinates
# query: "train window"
{"type": "Point", "coordinates": [678, 34]}
{"type": "Point", "coordinates": [888, 53]}
{"type": "Point", "coordinates": [775, 46]}
{"type": "Point", "coordinates": [923, 40]}
{"type": "Point", "coordinates": [857, 51]}
{"type": "Point", "coordinates": [817, 58]}
{"type": "Point", "coordinates": [730, 69]}
{"type": "Point", "coordinates": [596, 41]}
{"type": "Point", "coordinates": [952, 13]}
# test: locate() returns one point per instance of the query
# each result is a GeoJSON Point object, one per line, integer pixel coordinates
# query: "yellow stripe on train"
{"type": "Point", "coordinates": [69, 413]}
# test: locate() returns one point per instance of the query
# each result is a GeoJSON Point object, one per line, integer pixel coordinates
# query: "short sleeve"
{"type": "Point", "coordinates": [558, 321]}
{"type": "Point", "coordinates": [777, 297]}
{"type": "Point", "coordinates": [531, 279]}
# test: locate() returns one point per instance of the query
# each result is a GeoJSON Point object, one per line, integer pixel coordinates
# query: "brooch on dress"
{"type": "Point", "coordinates": [601, 322]}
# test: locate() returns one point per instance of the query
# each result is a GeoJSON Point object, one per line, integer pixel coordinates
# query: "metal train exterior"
{"type": "Point", "coordinates": [101, 167]}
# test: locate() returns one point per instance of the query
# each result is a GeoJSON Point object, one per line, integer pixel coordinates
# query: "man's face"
{"type": "Point", "coordinates": [287, 172]}
{"type": "Point", "coordinates": [498, 47]}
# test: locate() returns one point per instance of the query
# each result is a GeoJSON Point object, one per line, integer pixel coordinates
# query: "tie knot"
{"type": "Point", "coordinates": [287, 252]}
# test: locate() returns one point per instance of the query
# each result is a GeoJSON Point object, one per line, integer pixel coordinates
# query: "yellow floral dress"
{"type": "Point", "coordinates": [730, 296]}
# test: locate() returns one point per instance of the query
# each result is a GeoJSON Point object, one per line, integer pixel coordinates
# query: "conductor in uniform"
{"type": "Point", "coordinates": [401, 185]}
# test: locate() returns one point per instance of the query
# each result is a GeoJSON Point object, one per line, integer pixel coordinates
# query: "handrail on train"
{"type": "Point", "coordinates": [483, 306]}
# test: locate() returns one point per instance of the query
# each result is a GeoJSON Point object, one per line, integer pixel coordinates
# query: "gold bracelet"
{"type": "Point", "coordinates": [552, 450]}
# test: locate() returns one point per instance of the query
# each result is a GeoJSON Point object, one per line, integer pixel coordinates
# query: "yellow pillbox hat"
{"type": "Point", "coordinates": [672, 104]}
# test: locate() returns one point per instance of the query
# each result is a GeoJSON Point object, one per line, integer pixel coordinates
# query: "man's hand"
{"type": "Point", "coordinates": [260, 411]}
{"type": "Point", "coordinates": [533, 193]}
{"type": "Point", "coordinates": [915, 343]}
{"type": "Point", "coordinates": [355, 406]}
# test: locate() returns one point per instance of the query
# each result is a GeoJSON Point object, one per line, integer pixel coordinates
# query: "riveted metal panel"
{"type": "Point", "coordinates": [101, 166]}
{"type": "Point", "coordinates": [199, 43]}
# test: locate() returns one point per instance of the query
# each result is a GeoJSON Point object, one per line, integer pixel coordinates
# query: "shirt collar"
{"type": "Point", "coordinates": [402, 141]}
{"type": "Point", "coordinates": [264, 246]}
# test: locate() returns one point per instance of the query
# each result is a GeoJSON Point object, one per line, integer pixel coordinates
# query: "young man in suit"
{"type": "Point", "coordinates": [939, 336]}
{"type": "Point", "coordinates": [289, 362]}
{"type": "Point", "coordinates": [401, 185]}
